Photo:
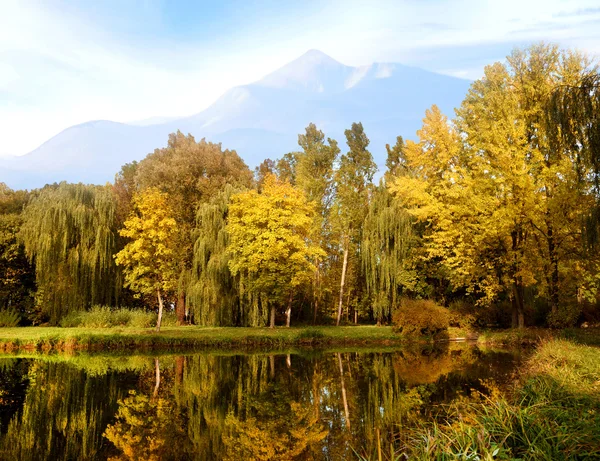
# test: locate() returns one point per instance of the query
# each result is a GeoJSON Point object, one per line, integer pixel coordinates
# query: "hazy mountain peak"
{"type": "Point", "coordinates": [314, 71]}
{"type": "Point", "coordinates": [317, 56]}
{"type": "Point", "coordinates": [259, 120]}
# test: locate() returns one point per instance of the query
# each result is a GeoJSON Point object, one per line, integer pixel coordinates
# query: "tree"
{"type": "Point", "coordinates": [191, 173]}
{"type": "Point", "coordinates": [17, 278]}
{"type": "Point", "coordinates": [473, 229]}
{"type": "Point", "coordinates": [502, 195]}
{"type": "Point", "coordinates": [270, 246]}
{"type": "Point", "coordinates": [149, 260]}
{"type": "Point", "coordinates": [213, 293]}
{"type": "Point", "coordinates": [314, 175]}
{"type": "Point", "coordinates": [396, 159]}
{"type": "Point", "coordinates": [353, 179]}
{"type": "Point", "coordinates": [387, 237]}
{"type": "Point", "coordinates": [69, 232]}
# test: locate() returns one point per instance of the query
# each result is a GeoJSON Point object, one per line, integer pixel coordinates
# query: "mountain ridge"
{"type": "Point", "coordinates": [259, 120]}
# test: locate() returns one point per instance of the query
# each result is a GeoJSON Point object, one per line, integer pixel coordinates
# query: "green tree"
{"type": "Point", "coordinates": [270, 246]}
{"type": "Point", "coordinates": [17, 277]}
{"type": "Point", "coordinates": [353, 178]}
{"type": "Point", "coordinates": [387, 237]}
{"type": "Point", "coordinates": [314, 174]}
{"type": "Point", "coordinates": [69, 232]}
{"type": "Point", "coordinates": [214, 293]}
{"type": "Point", "coordinates": [149, 260]}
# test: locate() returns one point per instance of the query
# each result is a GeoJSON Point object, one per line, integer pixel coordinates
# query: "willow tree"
{"type": "Point", "coordinates": [574, 110]}
{"type": "Point", "coordinates": [150, 258]}
{"type": "Point", "coordinates": [69, 232]}
{"type": "Point", "coordinates": [387, 236]}
{"type": "Point", "coordinates": [270, 245]}
{"type": "Point", "coordinates": [213, 294]}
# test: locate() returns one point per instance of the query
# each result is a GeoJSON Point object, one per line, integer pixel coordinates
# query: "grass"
{"type": "Point", "coordinates": [552, 414]}
{"type": "Point", "coordinates": [97, 335]}
{"type": "Point", "coordinates": [187, 337]}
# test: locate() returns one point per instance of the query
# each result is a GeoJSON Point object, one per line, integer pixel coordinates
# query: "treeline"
{"type": "Point", "coordinates": [494, 213]}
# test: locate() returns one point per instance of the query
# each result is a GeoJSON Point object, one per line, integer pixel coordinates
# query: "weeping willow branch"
{"type": "Point", "coordinates": [387, 239]}
{"type": "Point", "coordinates": [69, 231]}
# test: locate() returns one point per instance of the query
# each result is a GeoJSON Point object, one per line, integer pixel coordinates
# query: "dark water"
{"type": "Point", "coordinates": [314, 405]}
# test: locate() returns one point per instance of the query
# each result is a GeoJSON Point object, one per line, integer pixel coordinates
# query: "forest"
{"type": "Point", "coordinates": [493, 213]}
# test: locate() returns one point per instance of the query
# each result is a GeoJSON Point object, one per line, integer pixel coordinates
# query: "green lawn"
{"type": "Point", "coordinates": [188, 337]}
{"type": "Point", "coordinates": [56, 338]}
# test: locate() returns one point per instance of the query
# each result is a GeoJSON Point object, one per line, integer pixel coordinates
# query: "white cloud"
{"type": "Point", "coordinates": [59, 68]}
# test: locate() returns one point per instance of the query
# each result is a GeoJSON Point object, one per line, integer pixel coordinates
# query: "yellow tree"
{"type": "Point", "coordinates": [504, 195]}
{"type": "Point", "coordinates": [149, 259]}
{"type": "Point", "coordinates": [270, 243]}
{"type": "Point", "coordinates": [473, 229]}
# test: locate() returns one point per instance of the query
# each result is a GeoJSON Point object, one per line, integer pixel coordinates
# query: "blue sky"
{"type": "Point", "coordinates": [67, 62]}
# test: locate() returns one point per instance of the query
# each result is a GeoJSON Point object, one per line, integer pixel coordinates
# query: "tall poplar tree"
{"type": "Point", "coordinates": [353, 180]}
{"type": "Point", "coordinates": [314, 174]}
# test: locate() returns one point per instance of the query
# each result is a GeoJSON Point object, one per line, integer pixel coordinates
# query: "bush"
{"type": "Point", "coordinates": [564, 317]}
{"type": "Point", "coordinates": [420, 318]}
{"type": "Point", "coordinates": [9, 318]}
{"type": "Point", "coordinates": [169, 319]}
{"type": "Point", "coordinates": [105, 317]}
{"type": "Point", "coordinates": [461, 315]}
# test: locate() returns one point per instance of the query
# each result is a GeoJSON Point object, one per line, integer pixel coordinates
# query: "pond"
{"type": "Point", "coordinates": [322, 405]}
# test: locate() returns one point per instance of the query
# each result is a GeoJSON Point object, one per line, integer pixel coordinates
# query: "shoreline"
{"type": "Point", "coordinates": [189, 338]}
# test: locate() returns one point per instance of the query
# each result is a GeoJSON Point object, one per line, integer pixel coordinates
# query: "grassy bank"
{"type": "Point", "coordinates": [45, 339]}
{"type": "Point", "coordinates": [553, 413]}
{"type": "Point", "coordinates": [189, 337]}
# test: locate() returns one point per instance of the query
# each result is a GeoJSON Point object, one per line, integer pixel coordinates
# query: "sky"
{"type": "Point", "coordinates": [67, 62]}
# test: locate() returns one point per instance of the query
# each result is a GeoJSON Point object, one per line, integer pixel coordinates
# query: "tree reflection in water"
{"type": "Point", "coordinates": [317, 405]}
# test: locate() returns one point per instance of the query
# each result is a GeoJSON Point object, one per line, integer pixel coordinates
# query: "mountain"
{"type": "Point", "coordinates": [259, 120]}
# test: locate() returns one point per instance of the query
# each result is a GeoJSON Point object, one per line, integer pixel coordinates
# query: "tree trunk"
{"type": "Point", "coordinates": [344, 266]}
{"type": "Point", "coordinates": [553, 256]}
{"type": "Point", "coordinates": [288, 311]}
{"type": "Point", "coordinates": [344, 399]}
{"type": "Point", "coordinates": [157, 374]}
{"type": "Point", "coordinates": [272, 324]}
{"type": "Point", "coordinates": [355, 316]}
{"type": "Point", "coordinates": [518, 303]}
{"type": "Point", "coordinates": [160, 310]}
{"type": "Point", "coordinates": [518, 308]}
{"type": "Point", "coordinates": [180, 308]}
{"type": "Point", "coordinates": [317, 293]}
{"type": "Point", "coordinates": [179, 367]}
{"type": "Point", "coordinates": [272, 366]}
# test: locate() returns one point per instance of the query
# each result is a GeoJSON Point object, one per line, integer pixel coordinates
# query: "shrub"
{"type": "Point", "coordinates": [420, 318]}
{"type": "Point", "coordinates": [461, 314]}
{"type": "Point", "coordinates": [71, 320]}
{"type": "Point", "coordinates": [105, 317]}
{"type": "Point", "coordinates": [564, 317]}
{"type": "Point", "coordinates": [9, 318]}
{"type": "Point", "coordinates": [310, 334]}
{"type": "Point", "coordinates": [141, 319]}
{"type": "Point", "coordinates": [169, 319]}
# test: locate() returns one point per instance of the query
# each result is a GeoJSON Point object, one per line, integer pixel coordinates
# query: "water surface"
{"type": "Point", "coordinates": [311, 405]}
